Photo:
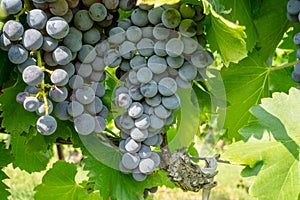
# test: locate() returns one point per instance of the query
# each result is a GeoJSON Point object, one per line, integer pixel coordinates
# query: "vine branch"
{"type": "Point", "coordinates": [284, 65]}
{"type": "Point", "coordinates": [218, 160]}
{"type": "Point", "coordinates": [60, 152]}
{"type": "Point", "coordinates": [184, 173]}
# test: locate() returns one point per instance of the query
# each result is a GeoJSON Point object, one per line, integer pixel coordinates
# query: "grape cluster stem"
{"type": "Point", "coordinates": [43, 85]}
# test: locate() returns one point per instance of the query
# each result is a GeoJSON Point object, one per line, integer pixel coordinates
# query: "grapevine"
{"type": "Point", "coordinates": [132, 83]}
{"type": "Point", "coordinates": [75, 55]}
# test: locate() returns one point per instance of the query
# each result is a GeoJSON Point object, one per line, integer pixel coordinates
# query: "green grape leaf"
{"type": "Point", "coordinates": [27, 160]}
{"type": "Point", "coordinates": [64, 130]}
{"type": "Point", "coordinates": [272, 154]}
{"type": "Point", "coordinates": [3, 188]}
{"type": "Point", "coordinates": [288, 43]}
{"type": "Point", "coordinates": [113, 184]}
{"type": "Point", "coordinates": [240, 11]}
{"type": "Point", "coordinates": [188, 120]}
{"type": "Point", "coordinates": [5, 157]}
{"type": "Point", "coordinates": [227, 38]}
{"type": "Point", "coordinates": [59, 183]}
{"type": "Point", "coordinates": [35, 141]}
{"type": "Point", "coordinates": [6, 67]}
{"type": "Point", "coordinates": [15, 118]}
{"type": "Point", "coordinates": [287, 40]}
{"type": "Point", "coordinates": [271, 23]}
{"type": "Point", "coordinates": [246, 83]}
{"type": "Point", "coordinates": [90, 196]}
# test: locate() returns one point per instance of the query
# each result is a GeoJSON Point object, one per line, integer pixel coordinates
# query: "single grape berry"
{"type": "Point", "coordinates": [84, 124]}
{"type": "Point", "coordinates": [17, 54]}
{"type": "Point", "coordinates": [171, 18]}
{"type": "Point", "coordinates": [13, 30]}
{"type": "Point", "coordinates": [20, 98]}
{"type": "Point", "coordinates": [97, 12]}
{"type": "Point", "coordinates": [33, 75]}
{"type": "Point", "coordinates": [31, 104]}
{"type": "Point", "coordinates": [46, 125]}
{"type": "Point", "coordinates": [57, 27]}
{"type": "Point", "coordinates": [62, 55]}
{"type": "Point", "coordinates": [37, 19]}
{"type": "Point", "coordinates": [32, 39]}
{"type": "Point", "coordinates": [59, 77]}
{"type": "Point", "coordinates": [12, 6]}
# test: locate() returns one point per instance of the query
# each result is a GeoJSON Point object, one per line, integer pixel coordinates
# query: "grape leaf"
{"type": "Point", "coordinates": [3, 188]}
{"type": "Point", "coordinates": [227, 38]}
{"type": "Point", "coordinates": [15, 118]}
{"type": "Point", "coordinates": [246, 83]}
{"type": "Point", "coordinates": [240, 11]}
{"type": "Point", "coordinates": [59, 183]}
{"type": "Point", "coordinates": [188, 118]}
{"type": "Point", "coordinates": [6, 67]}
{"type": "Point", "coordinates": [64, 130]}
{"type": "Point", "coordinates": [101, 149]}
{"type": "Point", "coordinates": [5, 157]}
{"type": "Point", "coordinates": [271, 23]}
{"type": "Point", "coordinates": [274, 148]}
{"type": "Point", "coordinates": [27, 160]}
{"type": "Point", "coordinates": [35, 142]}
{"type": "Point", "coordinates": [288, 42]}
{"type": "Point", "coordinates": [113, 184]}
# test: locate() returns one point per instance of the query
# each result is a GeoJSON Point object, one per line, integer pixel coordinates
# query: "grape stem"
{"type": "Point", "coordinates": [49, 86]}
{"type": "Point", "coordinates": [111, 132]}
{"type": "Point", "coordinates": [46, 70]}
{"type": "Point", "coordinates": [43, 85]}
{"type": "Point", "coordinates": [286, 65]}
{"type": "Point", "coordinates": [17, 16]}
{"type": "Point", "coordinates": [62, 141]}
{"type": "Point", "coordinates": [27, 5]}
{"type": "Point", "coordinates": [111, 76]}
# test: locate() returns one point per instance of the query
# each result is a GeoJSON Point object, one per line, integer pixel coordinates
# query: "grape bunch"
{"type": "Point", "coordinates": [65, 46]}
{"type": "Point", "coordinates": [59, 52]}
{"type": "Point", "coordinates": [157, 51]}
{"type": "Point", "coordinates": [293, 14]}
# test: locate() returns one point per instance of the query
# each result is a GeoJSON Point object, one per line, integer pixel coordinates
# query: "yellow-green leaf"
{"type": "Point", "coordinates": [227, 38]}
{"type": "Point", "coordinates": [273, 141]}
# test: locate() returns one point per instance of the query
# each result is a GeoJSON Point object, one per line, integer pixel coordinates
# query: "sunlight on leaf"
{"type": "Point", "coordinates": [275, 143]}
{"type": "Point", "coordinates": [246, 83]}
{"type": "Point", "coordinates": [3, 188]}
{"type": "Point", "coordinates": [227, 38]}
{"type": "Point", "coordinates": [241, 13]}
